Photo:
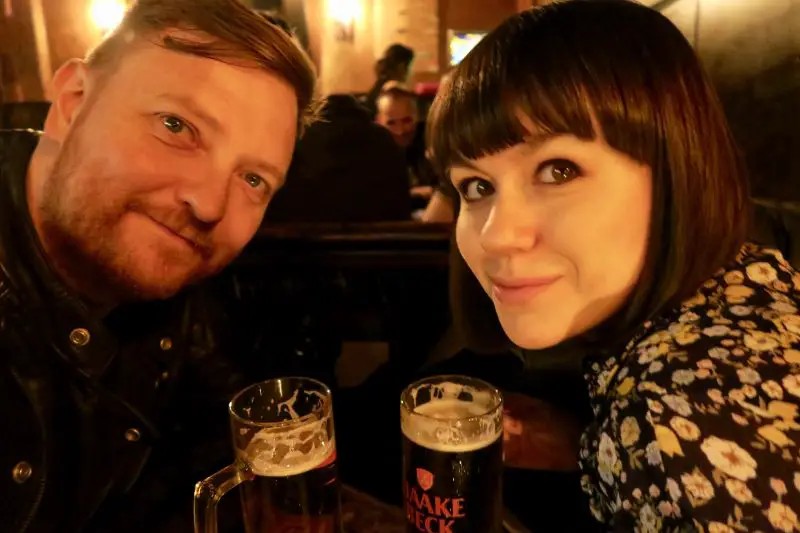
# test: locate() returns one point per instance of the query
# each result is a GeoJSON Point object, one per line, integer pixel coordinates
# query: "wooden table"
{"type": "Point", "coordinates": [362, 513]}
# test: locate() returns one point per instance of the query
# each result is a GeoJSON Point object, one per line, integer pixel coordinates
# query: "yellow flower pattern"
{"type": "Point", "coordinates": [697, 422]}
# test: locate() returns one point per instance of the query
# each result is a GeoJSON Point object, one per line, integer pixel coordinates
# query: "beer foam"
{"type": "Point", "coordinates": [280, 454]}
{"type": "Point", "coordinates": [450, 409]}
{"type": "Point", "coordinates": [451, 425]}
{"type": "Point", "coordinates": [262, 465]}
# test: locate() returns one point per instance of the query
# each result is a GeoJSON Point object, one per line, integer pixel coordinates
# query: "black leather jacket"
{"type": "Point", "coordinates": [108, 422]}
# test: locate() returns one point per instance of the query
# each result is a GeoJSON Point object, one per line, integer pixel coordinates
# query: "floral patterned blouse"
{"type": "Point", "coordinates": [696, 423]}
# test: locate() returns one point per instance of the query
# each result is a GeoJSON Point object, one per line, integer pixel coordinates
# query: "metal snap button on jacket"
{"type": "Point", "coordinates": [166, 344]}
{"type": "Point", "coordinates": [132, 434]}
{"type": "Point", "coordinates": [22, 472]}
{"type": "Point", "coordinates": [79, 337]}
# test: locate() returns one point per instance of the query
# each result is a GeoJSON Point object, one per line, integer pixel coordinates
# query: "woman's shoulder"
{"type": "Point", "coordinates": [741, 329]}
{"type": "Point", "coordinates": [748, 308]}
{"type": "Point", "coordinates": [705, 402]}
{"type": "Point", "coordinates": [746, 315]}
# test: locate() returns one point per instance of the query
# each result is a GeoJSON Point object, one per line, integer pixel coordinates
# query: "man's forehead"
{"type": "Point", "coordinates": [396, 105]}
{"type": "Point", "coordinates": [155, 69]}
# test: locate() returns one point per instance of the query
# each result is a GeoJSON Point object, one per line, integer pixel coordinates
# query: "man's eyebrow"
{"type": "Point", "coordinates": [191, 105]}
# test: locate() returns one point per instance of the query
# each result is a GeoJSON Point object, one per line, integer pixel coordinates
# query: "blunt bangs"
{"type": "Point", "coordinates": [572, 68]}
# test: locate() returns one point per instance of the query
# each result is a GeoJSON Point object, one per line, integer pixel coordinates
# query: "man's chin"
{"type": "Point", "coordinates": [141, 286]}
{"type": "Point", "coordinates": [158, 292]}
{"type": "Point", "coordinates": [133, 290]}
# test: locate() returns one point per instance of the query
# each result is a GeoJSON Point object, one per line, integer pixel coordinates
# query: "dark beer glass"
{"type": "Point", "coordinates": [452, 455]}
{"type": "Point", "coordinates": [285, 450]}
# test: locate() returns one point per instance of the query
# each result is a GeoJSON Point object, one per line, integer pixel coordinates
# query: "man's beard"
{"type": "Point", "coordinates": [78, 235]}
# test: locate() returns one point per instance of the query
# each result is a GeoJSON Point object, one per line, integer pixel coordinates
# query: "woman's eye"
{"type": "Point", "coordinates": [254, 180]}
{"type": "Point", "coordinates": [557, 171]}
{"type": "Point", "coordinates": [474, 189]}
{"type": "Point", "coordinates": [173, 124]}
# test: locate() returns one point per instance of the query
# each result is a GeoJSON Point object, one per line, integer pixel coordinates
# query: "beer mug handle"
{"type": "Point", "coordinates": [209, 492]}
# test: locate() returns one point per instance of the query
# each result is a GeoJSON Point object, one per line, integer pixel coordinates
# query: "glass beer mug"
{"type": "Point", "coordinates": [452, 455]}
{"type": "Point", "coordinates": [285, 462]}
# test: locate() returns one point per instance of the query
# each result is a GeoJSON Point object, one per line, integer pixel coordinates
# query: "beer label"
{"type": "Point", "coordinates": [428, 512]}
{"type": "Point", "coordinates": [424, 478]}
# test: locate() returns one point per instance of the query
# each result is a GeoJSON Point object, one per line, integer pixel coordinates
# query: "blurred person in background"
{"type": "Point", "coordinates": [394, 65]}
{"type": "Point", "coordinates": [153, 171]}
{"type": "Point", "coordinates": [397, 112]}
{"type": "Point", "coordinates": [440, 208]}
{"type": "Point", "coordinates": [604, 205]}
{"type": "Point", "coordinates": [346, 169]}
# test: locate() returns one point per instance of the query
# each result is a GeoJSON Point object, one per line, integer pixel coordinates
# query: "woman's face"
{"type": "Point", "coordinates": [555, 229]}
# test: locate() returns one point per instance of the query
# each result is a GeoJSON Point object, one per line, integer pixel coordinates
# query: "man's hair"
{"type": "Point", "coordinates": [617, 70]}
{"type": "Point", "coordinates": [398, 54]}
{"type": "Point", "coordinates": [394, 90]}
{"type": "Point", "coordinates": [225, 30]}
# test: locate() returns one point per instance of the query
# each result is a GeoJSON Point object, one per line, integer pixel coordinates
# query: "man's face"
{"type": "Point", "coordinates": [164, 171]}
{"type": "Point", "coordinates": [399, 116]}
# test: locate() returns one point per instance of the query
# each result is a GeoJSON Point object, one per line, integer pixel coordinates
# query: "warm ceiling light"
{"type": "Point", "coordinates": [107, 14]}
{"type": "Point", "coordinates": [344, 11]}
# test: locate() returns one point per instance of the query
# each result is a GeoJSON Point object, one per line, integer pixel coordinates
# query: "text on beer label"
{"type": "Point", "coordinates": [431, 513]}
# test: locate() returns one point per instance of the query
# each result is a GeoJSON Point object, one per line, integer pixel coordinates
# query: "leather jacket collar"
{"type": "Point", "coordinates": [78, 337]}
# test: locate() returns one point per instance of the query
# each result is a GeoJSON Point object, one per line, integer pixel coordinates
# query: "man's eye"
{"type": "Point", "coordinates": [474, 189]}
{"type": "Point", "coordinates": [254, 180]}
{"type": "Point", "coordinates": [557, 171]}
{"type": "Point", "coordinates": [173, 124]}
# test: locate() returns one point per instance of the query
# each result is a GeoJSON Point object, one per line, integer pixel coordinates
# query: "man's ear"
{"type": "Point", "coordinates": [68, 96]}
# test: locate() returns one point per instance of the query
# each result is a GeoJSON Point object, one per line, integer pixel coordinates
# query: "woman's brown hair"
{"type": "Point", "coordinates": [625, 69]}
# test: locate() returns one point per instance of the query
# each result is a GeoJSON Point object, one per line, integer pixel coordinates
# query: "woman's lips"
{"type": "Point", "coordinates": [520, 290]}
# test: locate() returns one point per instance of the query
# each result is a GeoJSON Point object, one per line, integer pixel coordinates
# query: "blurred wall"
{"type": "Point", "coordinates": [42, 34]}
{"type": "Point", "coordinates": [70, 32]}
{"type": "Point", "coordinates": [420, 24]}
{"type": "Point", "coordinates": [477, 14]}
{"type": "Point", "coordinates": [751, 49]}
{"type": "Point", "coordinates": [346, 60]}
{"type": "Point", "coordinates": [25, 62]}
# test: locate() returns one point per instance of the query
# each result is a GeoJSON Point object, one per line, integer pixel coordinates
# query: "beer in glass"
{"type": "Point", "coordinates": [452, 455]}
{"type": "Point", "coordinates": [285, 450]}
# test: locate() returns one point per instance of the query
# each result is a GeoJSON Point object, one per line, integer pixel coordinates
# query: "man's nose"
{"type": "Point", "coordinates": [206, 195]}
